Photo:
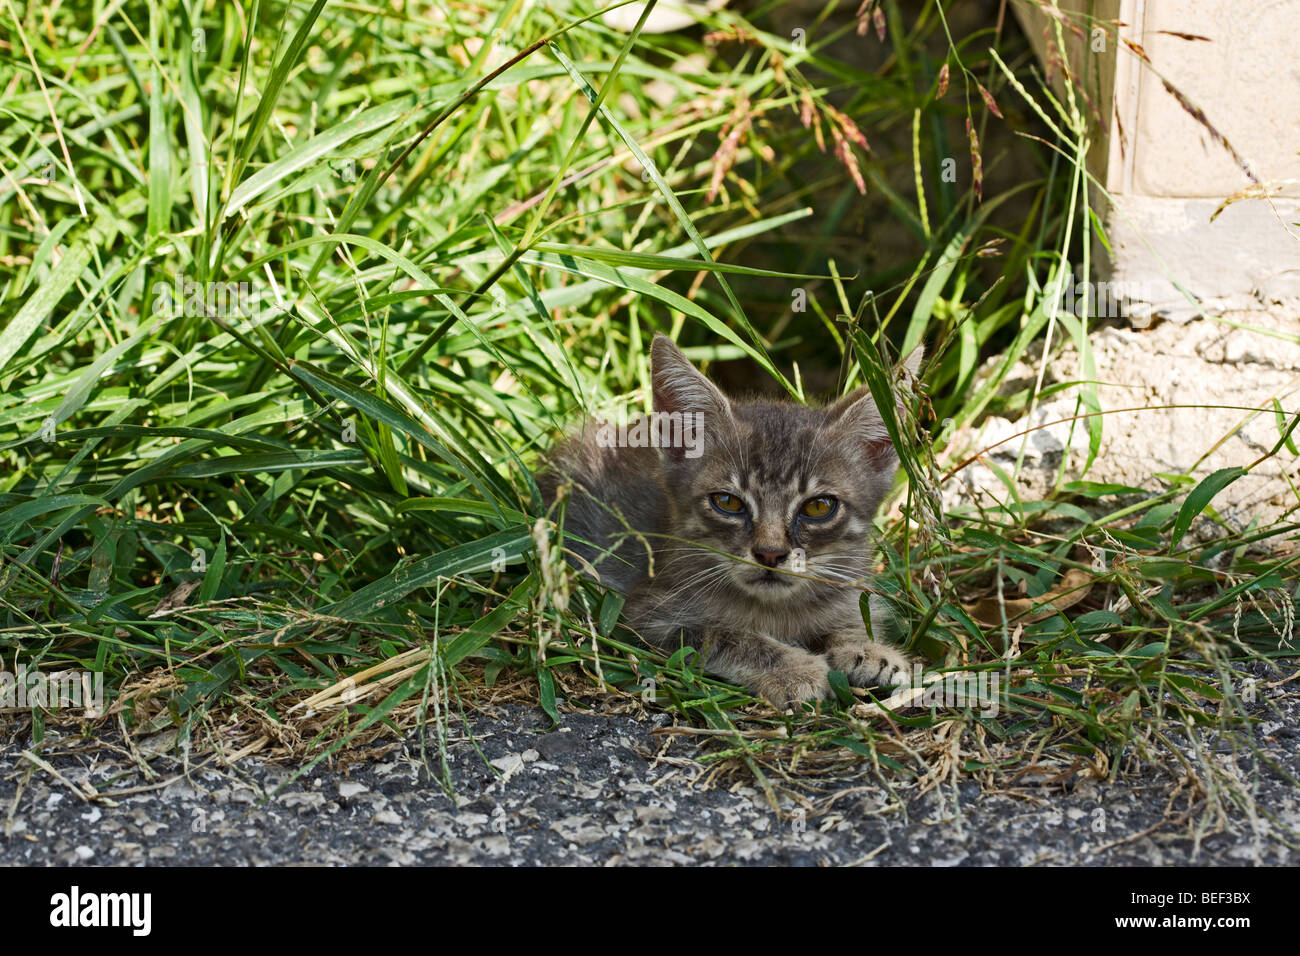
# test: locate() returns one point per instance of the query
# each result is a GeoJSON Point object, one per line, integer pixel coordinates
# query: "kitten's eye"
{"type": "Point", "coordinates": [727, 504]}
{"type": "Point", "coordinates": [819, 508]}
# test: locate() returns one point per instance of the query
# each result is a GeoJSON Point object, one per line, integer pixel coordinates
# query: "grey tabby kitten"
{"type": "Point", "coordinates": [759, 515]}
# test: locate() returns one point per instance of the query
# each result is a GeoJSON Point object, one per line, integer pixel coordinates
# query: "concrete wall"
{"type": "Point", "coordinates": [1165, 171]}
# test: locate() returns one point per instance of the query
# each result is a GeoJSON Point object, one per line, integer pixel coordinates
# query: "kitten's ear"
{"type": "Point", "coordinates": [680, 390]}
{"type": "Point", "coordinates": [857, 411]}
{"type": "Point", "coordinates": [913, 362]}
{"type": "Point", "coordinates": [679, 386]}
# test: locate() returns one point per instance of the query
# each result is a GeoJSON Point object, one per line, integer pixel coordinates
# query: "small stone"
{"type": "Point", "coordinates": [159, 743]}
{"type": "Point", "coordinates": [558, 744]}
{"type": "Point", "coordinates": [578, 830]}
{"type": "Point", "coordinates": [509, 765]}
{"type": "Point", "coordinates": [351, 788]}
{"type": "Point", "coordinates": [84, 852]}
{"type": "Point", "coordinates": [302, 801]}
{"type": "Point", "coordinates": [387, 817]}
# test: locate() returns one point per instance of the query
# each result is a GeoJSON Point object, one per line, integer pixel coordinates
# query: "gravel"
{"type": "Point", "coordinates": [600, 789]}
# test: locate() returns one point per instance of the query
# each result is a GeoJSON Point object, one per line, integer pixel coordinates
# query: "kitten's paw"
{"type": "Point", "coordinates": [868, 664]}
{"type": "Point", "coordinates": [796, 681]}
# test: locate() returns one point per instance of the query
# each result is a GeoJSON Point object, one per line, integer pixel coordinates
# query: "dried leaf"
{"type": "Point", "coordinates": [1074, 587]}
{"type": "Point", "coordinates": [176, 599]}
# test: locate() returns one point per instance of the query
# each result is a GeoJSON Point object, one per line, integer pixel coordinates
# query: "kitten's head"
{"type": "Point", "coordinates": [780, 496]}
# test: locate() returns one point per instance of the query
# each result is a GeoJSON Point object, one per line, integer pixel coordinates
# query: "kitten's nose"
{"type": "Point", "coordinates": [770, 557]}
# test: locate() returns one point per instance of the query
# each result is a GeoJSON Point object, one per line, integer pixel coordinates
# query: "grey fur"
{"type": "Point", "coordinates": [772, 629]}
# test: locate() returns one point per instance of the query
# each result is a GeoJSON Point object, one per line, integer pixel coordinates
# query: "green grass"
{"type": "Point", "coordinates": [453, 247]}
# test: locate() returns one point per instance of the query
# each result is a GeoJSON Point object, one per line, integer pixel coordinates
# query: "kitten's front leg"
{"type": "Point", "coordinates": [779, 672]}
{"type": "Point", "coordinates": [867, 663]}
{"type": "Point", "coordinates": [783, 674]}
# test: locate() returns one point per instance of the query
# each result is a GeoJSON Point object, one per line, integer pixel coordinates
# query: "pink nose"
{"type": "Point", "coordinates": [770, 557]}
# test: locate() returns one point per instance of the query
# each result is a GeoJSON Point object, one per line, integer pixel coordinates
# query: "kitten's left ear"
{"type": "Point", "coordinates": [857, 412]}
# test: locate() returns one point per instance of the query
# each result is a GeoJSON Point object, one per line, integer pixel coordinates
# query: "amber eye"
{"type": "Point", "coordinates": [727, 504]}
{"type": "Point", "coordinates": [817, 508]}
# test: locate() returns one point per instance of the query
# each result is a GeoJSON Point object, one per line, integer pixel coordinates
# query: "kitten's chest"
{"type": "Point", "coordinates": [802, 624]}
{"type": "Point", "coordinates": [798, 623]}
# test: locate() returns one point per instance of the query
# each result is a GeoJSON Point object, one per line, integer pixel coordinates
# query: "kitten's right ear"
{"type": "Point", "coordinates": [680, 391]}
{"type": "Point", "coordinates": [678, 385]}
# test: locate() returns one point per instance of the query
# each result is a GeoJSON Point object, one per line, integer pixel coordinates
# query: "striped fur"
{"type": "Point", "coordinates": [643, 520]}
